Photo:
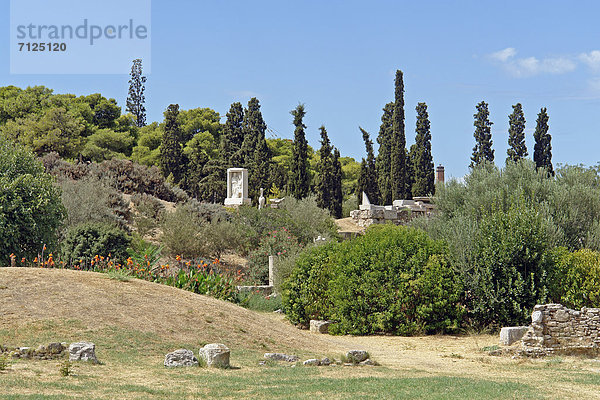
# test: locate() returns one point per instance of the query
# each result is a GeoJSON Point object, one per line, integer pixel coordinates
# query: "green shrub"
{"type": "Point", "coordinates": [31, 206]}
{"type": "Point", "coordinates": [181, 233]}
{"type": "Point", "coordinates": [304, 293]}
{"type": "Point", "coordinates": [258, 302]}
{"type": "Point", "coordinates": [220, 236]}
{"type": "Point", "coordinates": [149, 211]}
{"type": "Point", "coordinates": [92, 200]}
{"type": "Point", "coordinates": [88, 240]}
{"type": "Point", "coordinates": [393, 279]}
{"type": "Point", "coordinates": [575, 278]}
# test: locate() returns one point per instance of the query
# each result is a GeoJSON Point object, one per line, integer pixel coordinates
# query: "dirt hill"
{"type": "Point", "coordinates": [30, 295]}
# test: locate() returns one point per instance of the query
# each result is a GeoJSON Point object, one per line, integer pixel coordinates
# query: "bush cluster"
{"type": "Point", "coordinates": [86, 241]}
{"type": "Point", "coordinates": [392, 279]}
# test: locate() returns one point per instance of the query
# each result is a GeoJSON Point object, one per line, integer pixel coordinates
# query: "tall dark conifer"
{"type": "Point", "coordinates": [542, 153]}
{"type": "Point", "coordinates": [324, 185]}
{"type": "Point", "coordinates": [136, 98]}
{"type": "Point", "coordinates": [422, 160]}
{"type": "Point", "coordinates": [400, 189]}
{"type": "Point", "coordinates": [299, 182]}
{"type": "Point", "coordinates": [383, 162]}
{"type": "Point", "coordinates": [338, 197]}
{"type": "Point", "coordinates": [482, 152]}
{"type": "Point", "coordinates": [234, 135]}
{"type": "Point", "coordinates": [516, 135]}
{"type": "Point", "coordinates": [370, 171]}
{"type": "Point", "coordinates": [254, 128]}
{"type": "Point", "coordinates": [172, 160]}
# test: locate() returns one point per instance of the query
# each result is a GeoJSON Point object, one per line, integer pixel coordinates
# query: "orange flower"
{"type": "Point", "coordinates": [178, 258]}
{"type": "Point", "coordinates": [35, 260]}
{"type": "Point", "coordinates": [23, 260]}
{"type": "Point", "coordinates": [44, 248]}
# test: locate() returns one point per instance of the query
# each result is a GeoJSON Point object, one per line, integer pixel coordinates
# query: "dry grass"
{"type": "Point", "coordinates": [135, 323]}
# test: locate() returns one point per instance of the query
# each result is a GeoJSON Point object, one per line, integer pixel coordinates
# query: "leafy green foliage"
{"type": "Point", "coordinates": [89, 240]}
{"type": "Point", "coordinates": [392, 279]}
{"type": "Point", "coordinates": [30, 204]}
{"type": "Point", "coordinates": [277, 243]}
{"type": "Point", "coordinates": [203, 280]}
{"type": "Point", "coordinates": [172, 162]}
{"type": "Point", "coordinates": [575, 278]}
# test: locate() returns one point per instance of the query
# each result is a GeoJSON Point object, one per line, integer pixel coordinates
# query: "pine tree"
{"type": "Point", "coordinates": [482, 152]}
{"type": "Point", "coordinates": [383, 162]}
{"type": "Point", "coordinates": [337, 197]}
{"type": "Point", "coordinates": [172, 160]}
{"type": "Point", "coordinates": [516, 135]}
{"type": "Point", "coordinates": [370, 179]}
{"type": "Point", "coordinates": [422, 160]}
{"type": "Point", "coordinates": [299, 182]}
{"type": "Point", "coordinates": [398, 143]}
{"type": "Point", "coordinates": [542, 153]}
{"type": "Point", "coordinates": [234, 135]}
{"type": "Point", "coordinates": [324, 185]}
{"type": "Point", "coordinates": [136, 99]}
{"type": "Point", "coordinates": [254, 128]}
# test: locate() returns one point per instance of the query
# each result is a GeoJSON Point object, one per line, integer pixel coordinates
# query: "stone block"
{"type": "Point", "coordinates": [181, 358]}
{"type": "Point", "coordinates": [357, 355]}
{"type": "Point", "coordinates": [82, 351]}
{"type": "Point", "coordinates": [215, 355]}
{"type": "Point", "coordinates": [512, 334]}
{"type": "Point", "coordinates": [317, 326]}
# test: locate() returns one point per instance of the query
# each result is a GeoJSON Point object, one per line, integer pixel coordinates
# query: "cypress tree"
{"type": "Point", "coordinates": [213, 186]}
{"type": "Point", "coordinates": [234, 135]}
{"type": "Point", "coordinates": [136, 99]}
{"type": "Point", "coordinates": [383, 162]}
{"type": "Point", "coordinates": [337, 195]}
{"type": "Point", "coordinates": [482, 152]}
{"type": "Point", "coordinates": [516, 135]}
{"type": "Point", "coordinates": [172, 161]}
{"type": "Point", "coordinates": [422, 160]}
{"type": "Point", "coordinates": [261, 174]}
{"type": "Point", "coordinates": [400, 190]}
{"type": "Point", "coordinates": [324, 186]}
{"type": "Point", "coordinates": [253, 127]}
{"type": "Point", "coordinates": [370, 171]}
{"type": "Point", "coordinates": [299, 182]}
{"type": "Point", "coordinates": [542, 153]}
{"type": "Point", "coordinates": [362, 182]}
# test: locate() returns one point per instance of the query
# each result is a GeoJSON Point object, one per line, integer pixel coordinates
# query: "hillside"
{"type": "Point", "coordinates": [79, 303]}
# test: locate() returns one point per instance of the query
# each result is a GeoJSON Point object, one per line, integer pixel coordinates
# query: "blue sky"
{"type": "Point", "coordinates": [339, 58]}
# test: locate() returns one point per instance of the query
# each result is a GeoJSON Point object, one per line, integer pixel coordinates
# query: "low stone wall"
{"type": "Point", "coordinates": [49, 352]}
{"type": "Point", "coordinates": [365, 218]}
{"type": "Point", "coordinates": [556, 329]}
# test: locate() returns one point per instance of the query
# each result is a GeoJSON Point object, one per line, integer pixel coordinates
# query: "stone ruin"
{"type": "Point", "coordinates": [400, 212]}
{"type": "Point", "coordinates": [556, 329]}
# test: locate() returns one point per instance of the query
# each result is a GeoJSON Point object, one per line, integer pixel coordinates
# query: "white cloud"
{"type": "Point", "coordinates": [530, 66]}
{"type": "Point", "coordinates": [504, 55]}
{"type": "Point", "coordinates": [591, 59]}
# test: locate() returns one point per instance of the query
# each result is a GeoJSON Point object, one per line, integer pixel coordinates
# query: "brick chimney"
{"type": "Point", "coordinates": [439, 174]}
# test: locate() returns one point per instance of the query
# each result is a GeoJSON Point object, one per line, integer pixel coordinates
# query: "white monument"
{"type": "Point", "coordinates": [237, 187]}
{"type": "Point", "coordinates": [261, 199]}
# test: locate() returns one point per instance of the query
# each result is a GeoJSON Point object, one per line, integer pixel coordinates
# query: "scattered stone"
{"type": "Point", "coordinates": [326, 361]}
{"type": "Point", "coordinates": [317, 326]}
{"type": "Point", "coordinates": [368, 361]}
{"type": "Point", "coordinates": [512, 334]}
{"type": "Point", "coordinates": [215, 355]}
{"type": "Point", "coordinates": [56, 348]}
{"type": "Point", "coordinates": [281, 357]}
{"type": "Point", "coordinates": [82, 351]}
{"type": "Point", "coordinates": [278, 311]}
{"type": "Point", "coordinates": [312, 362]}
{"type": "Point", "coordinates": [181, 358]}
{"type": "Point", "coordinates": [262, 363]}
{"type": "Point", "coordinates": [357, 356]}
